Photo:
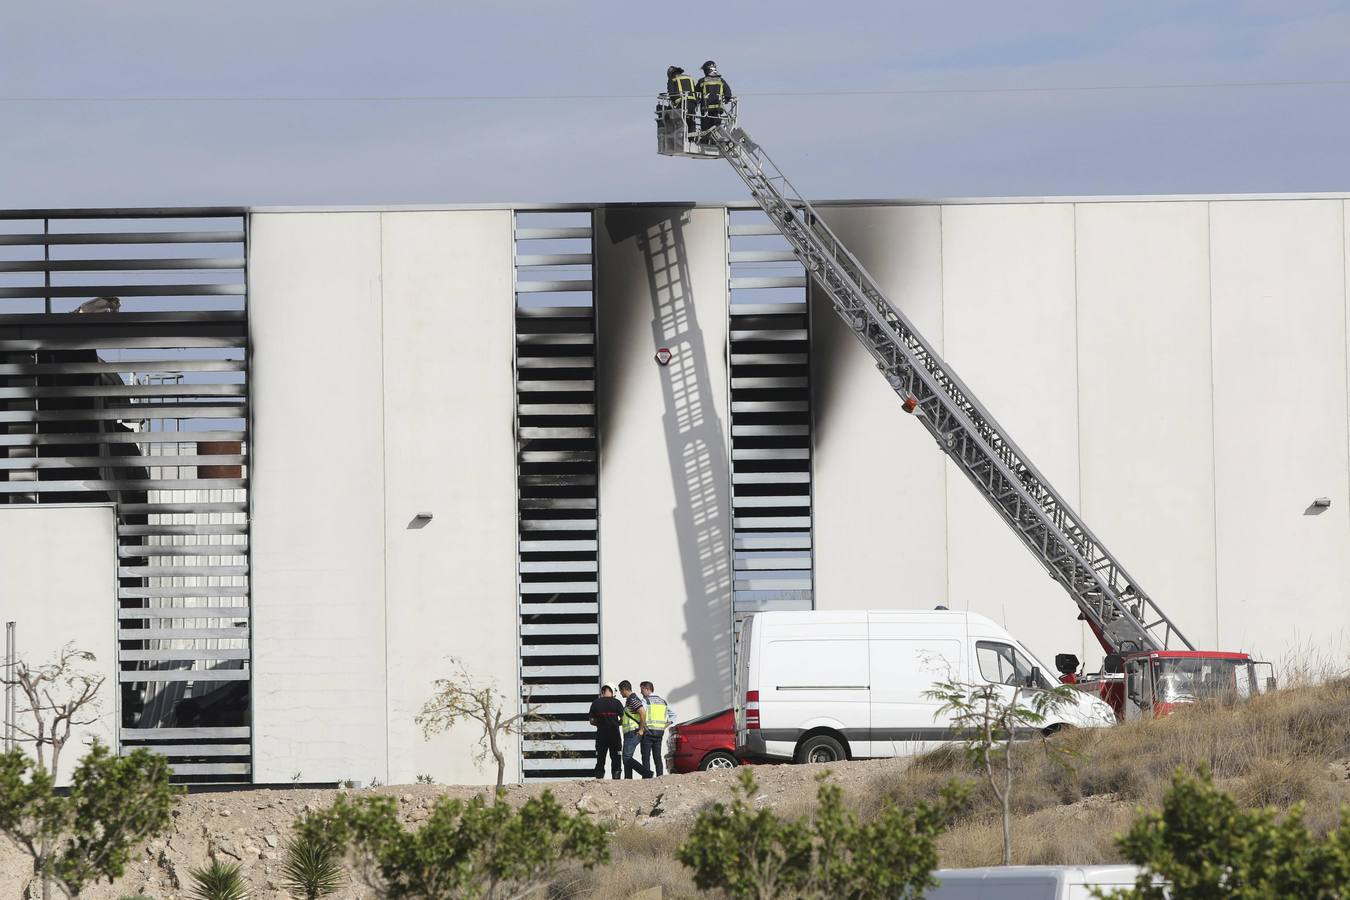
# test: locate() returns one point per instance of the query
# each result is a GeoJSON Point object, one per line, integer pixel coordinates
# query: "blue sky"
{"type": "Point", "coordinates": [283, 127]}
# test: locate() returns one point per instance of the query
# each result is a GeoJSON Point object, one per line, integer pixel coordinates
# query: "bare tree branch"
{"type": "Point", "coordinates": [62, 696]}
{"type": "Point", "coordinates": [459, 698]}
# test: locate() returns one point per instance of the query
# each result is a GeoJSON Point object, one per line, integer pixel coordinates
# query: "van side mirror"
{"type": "Point", "coordinates": [1035, 677]}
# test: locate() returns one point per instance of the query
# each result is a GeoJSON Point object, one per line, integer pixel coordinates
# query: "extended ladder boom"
{"type": "Point", "coordinates": [1124, 617]}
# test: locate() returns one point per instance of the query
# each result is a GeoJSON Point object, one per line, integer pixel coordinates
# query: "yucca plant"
{"type": "Point", "coordinates": [312, 867]}
{"type": "Point", "coordinates": [219, 881]}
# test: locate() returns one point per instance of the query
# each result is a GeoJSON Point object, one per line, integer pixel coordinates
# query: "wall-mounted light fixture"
{"type": "Point", "coordinates": [1322, 503]}
{"type": "Point", "coordinates": [422, 517]}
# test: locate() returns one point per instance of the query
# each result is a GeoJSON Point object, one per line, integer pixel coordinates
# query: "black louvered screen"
{"type": "Point", "coordinates": [123, 378]}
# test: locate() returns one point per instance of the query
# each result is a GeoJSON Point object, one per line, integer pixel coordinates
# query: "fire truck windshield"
{"type": "Point", "coordinates": [1187, 679]}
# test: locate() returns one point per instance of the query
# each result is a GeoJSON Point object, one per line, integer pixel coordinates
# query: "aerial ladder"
{"type": "Point", "coordinates": [1149, 660]}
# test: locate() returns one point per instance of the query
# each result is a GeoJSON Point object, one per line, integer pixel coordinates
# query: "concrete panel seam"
{"type": "Point", "coordinates": [1213, 418]}
{"type": "Point", "coordinates": [1078, 391]}
{"type": "Point", "coordinates": [1345, 327]}
{"type": "Point", "coordinates": [946, 475]}
{"type": "Point", "coordinates": [384, 507]}
{"type": "Point", "coordinates": [515, 492]}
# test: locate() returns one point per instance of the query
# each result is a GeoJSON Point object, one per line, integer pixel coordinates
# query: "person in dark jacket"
{"type": "Point", "coordinates": [713, 95]}
{"type": "Point", "coordinates": [606, 710]}
{"type": "Point", "coordinates": [680, 90]}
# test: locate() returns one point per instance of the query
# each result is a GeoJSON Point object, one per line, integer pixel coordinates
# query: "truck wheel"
{"type": "Point", "coordinates": [718, 759]}
{"type": "Point", "coordinates": [819, 749]}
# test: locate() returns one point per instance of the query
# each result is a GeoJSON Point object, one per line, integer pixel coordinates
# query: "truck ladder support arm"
{"type": "Point", "coordinates": [1123, 617]}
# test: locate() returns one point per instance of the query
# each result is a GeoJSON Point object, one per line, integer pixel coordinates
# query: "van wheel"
{"type": "Point", "coordinates": [819, 749]}
{"type": "Point", "coordinates": [718, 759]}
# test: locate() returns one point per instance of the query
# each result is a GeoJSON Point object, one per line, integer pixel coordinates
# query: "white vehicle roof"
{"type": "Point", "coordinates": [1059, 881]}
{"type": "Point", "coordinates": [848, 617]}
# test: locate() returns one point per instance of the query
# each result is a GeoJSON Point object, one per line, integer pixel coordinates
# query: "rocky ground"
{"type": "Point", "coordinates": [250, 827]}
{"type": "Point", "coordinates": [1289, 747]}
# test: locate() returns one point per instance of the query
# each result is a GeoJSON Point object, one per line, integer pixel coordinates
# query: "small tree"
{"type": "Point", "coordinates": [1204, 847]}
{"type": "Point", "coordinates": [459, 698]}
{"type": "Point", "coordinates": [462, 850]}
{"type": "Point", "coordinates": [753, 854]}
{"type": "Point", "coordinates": [114, 804]}
{"type": "Point", "coordinates": [61, 696]}
{"type": "Point", "coordinates": [989, 720]}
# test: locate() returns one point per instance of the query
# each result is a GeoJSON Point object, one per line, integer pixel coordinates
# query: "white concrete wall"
{"type": "Point", "coordinates": [880, 495]}
{"type": "Point", "coordinates": [1178, 371]}
{"type": "Point", "coordinates": [665, 528]}
{"type": "Point", "coordinates": [1280, 427]}
{"type": "Point", "coordinates": [58, 584]}
{"type": "Point", "coordinates": [382, 387]}
{"type": "Point", "coordinates": [1009, 332]}
{"type": "Point", "coordinates": [1145, 405]}
{"type": "Point", "coordinates": [317, 484]}
{"type": "Point", "coordinates": [449, 450]}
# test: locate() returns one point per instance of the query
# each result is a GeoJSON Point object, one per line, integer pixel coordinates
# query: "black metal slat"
{"type": "Point", "coordinates": [193, 263]}
{"type": "Point", "coordinates": [123, 290]}
{"type": "Point", "coordinates": [129, 237]}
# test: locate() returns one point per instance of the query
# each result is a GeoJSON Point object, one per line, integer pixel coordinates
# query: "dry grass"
{"type": "Point", "coordinates": [640, 859]}
{"type": "Point", "coordinates": [1292, 746]}
{"type": "Point", "coordinates": [1275, 750]}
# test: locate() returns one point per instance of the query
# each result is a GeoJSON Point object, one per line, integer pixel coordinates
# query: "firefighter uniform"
{"type": "Point", "coordinates": [606, 712]}
{"type": "Point", "coordinates": [681, 91]}
{"type": "Point", "coordinates": [713, 93]}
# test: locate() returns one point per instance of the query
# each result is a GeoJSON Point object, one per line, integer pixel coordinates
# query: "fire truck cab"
{"type": "Point", "coordinates": [1151, 684]}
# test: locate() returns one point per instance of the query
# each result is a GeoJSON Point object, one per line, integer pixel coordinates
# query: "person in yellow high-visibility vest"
{"type": "Point", "coordinates": [713, 95]}
{"type": "Point", "coordinates": [634, 724]}
{"type": "Point", "coordinates": [680, 91]}
{"type": "Point", "coordinates": [659, 718]}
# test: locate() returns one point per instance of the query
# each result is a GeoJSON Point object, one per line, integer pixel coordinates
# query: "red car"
{"type": "Point", "coordinates": [708, 742]}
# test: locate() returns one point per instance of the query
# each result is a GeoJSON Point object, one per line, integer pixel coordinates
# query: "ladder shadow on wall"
{"type": "Point", "coordinates": [696, 452]}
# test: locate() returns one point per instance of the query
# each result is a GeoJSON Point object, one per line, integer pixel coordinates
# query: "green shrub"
{"type": "Point", "coordinates": [219, 881]}
{"type": "Point", "coordinates": [1206, 847]}
{"type": "Point", "coordinates": [312, 866]}
{"type": "Point", "coordinates": [463, 849]}
{"type": "Point", "coordinates": [756, 855]}
{"type": "Point", "coordinates": [87, 834]}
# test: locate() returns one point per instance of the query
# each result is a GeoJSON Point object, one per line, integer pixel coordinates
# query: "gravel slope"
{"type": "Point", "coordinates": [250, 827]}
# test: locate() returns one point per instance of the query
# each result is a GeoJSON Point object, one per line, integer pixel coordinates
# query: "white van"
{"type": "Point", "coordinates": [1031, 882]}
{"type": "Point", "coordinates": [819, 686]}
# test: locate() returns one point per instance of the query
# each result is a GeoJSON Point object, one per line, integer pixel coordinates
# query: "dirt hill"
{"type": "Point", "coordinates": [1292, 746]}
